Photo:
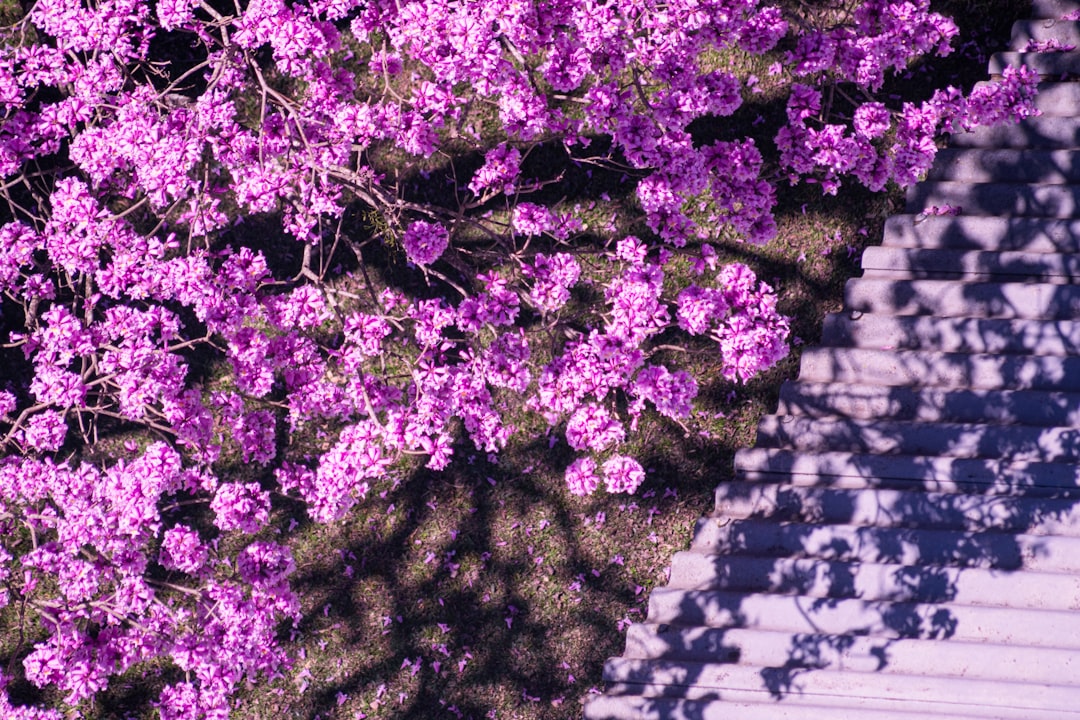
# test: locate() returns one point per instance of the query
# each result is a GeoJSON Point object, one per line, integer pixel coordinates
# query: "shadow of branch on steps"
{"type": "Point", "coordinates": [907, 529]}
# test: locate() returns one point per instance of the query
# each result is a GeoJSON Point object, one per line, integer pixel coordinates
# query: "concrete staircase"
{"type": "Point", "coordinates": [904, 540]}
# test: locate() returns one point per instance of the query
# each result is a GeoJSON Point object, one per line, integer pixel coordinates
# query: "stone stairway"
{"type": "Point", "coordinates": [904, 540]}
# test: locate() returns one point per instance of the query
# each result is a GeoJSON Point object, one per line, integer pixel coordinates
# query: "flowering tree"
{"type": "Point", "coordinates": [135, 141]}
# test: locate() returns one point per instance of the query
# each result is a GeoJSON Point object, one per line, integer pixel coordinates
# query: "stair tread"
{"type": "Point", "coordinates": [899, 507]}
{"type": "Point", "coordinates": [951, 334]}
{"type": "Point", "coordinates": [889, 437]}
{"type": "Point", "coordinates": [1000, 198]}
{"type": "Point", "coordinates": [847, 470]}
{"type": "Point", "coordinates": [830, 685]}
{"type": "Point", "coordinates": [702, 704]}
{"type": "Point", "coordinates": [884, 619]}
{"type": "Point", "coordinates": [1066, 32]}
{"type": "Point", "coordinates": [854, 653]}
{"type": "Point", "coordinates": [1053, 9]}
{"type": "Point", "coordinates": [896, 582]}
{"type": "Point", "coordinates": [983, 232]}
{"type": "Point", "coordinates": [866, 401]}
{"type": "Point", "coordinates": [1051, 64]}
{"type": "Point", "coordinates": [898, 263]}
{"type": "Point", "coordinates": [1034, 132]}
{"type": "Point", "coordinates": [908, 546]}
{"type": "Point", "coordinates": [981, 165]}
{"type": "Point", "coordinates": [931, 368]}
{"type": "Point", "coordinates": [952, 298]}
{"type": "Point", "coordinates": [1053, 98]}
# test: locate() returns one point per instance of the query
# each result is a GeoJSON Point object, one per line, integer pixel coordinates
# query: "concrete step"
{"type": "Point", "coordinates": [929, 404]}
{"type": "Point", "coordinates": [998, 198]}
{"type": "Point", "coordinates": [900, 263]}
{"type": "Point", "coordinates": [852, 471]}
{"type": "Point", "coordinates": [1054, 99]}
{"type": "Point", "coordinates": [939, 659]}
{"type": "Point", "coordinates": [1012, 442]}
{"type": "Point", "coordinates": [1052, 65]}
{"type": "Point", "coordinates": [839, 688]}
{"type": "Point", "coordinates": [1053, 9]}
{"type": "Point", "coordinates": [950, 334]}
{"type": "Point", "coordinates": [986, 165]}
{"type": "Point", "coordinates": [854, 616]}
{"type": "Point", "coordinates": [996, 234]}
{"type": "Point", "coordinates": [952, 298]}
{"type": "Point", "coordinates": [631, 701]}
{"type": "Point", "coordinates": [886, 507]}
{"type": "Point", "coordinates": [1065, 32]}
{"type": "Point", "coordinates": [813, 578]}
{"type": "Point", "coordinates": [926, 368]}
{"type": "Point", "coordinates": [906, 546]}
{"type": "Point", "coordinates": [1034, 132]}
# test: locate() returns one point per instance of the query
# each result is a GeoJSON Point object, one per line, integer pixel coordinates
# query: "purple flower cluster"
{"type": "Point", "coordinates": [809, 146]}
{"type": "Point", "coordinates": [241, 506]}
{"type": "Point", "coordinates": [621, 474]}
{"type": "Point", "coordinates": [592, 427]}
{"type": "Point", "coordinates": [182, 550]}
{"type": "Point", "coordinates": [530, 219]}
{"type": "Point", "coordinates": [500, 171]}
{"type": "Point", "coordinates": [552, 279]}
{"type": "Point", "coordinates": [740, 314]}
{"type": "Point", "coordinates": [425, 242]}
{"type": "Point", "coordinates": [97, 532]}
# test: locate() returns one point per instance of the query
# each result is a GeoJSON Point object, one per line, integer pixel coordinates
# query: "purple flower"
{"type": "Point", "coordinates": [45, 431]}
{"type": "Point", "coordinates": [872, 120]}
{"type": "Point", "coordinates": [500, 171]}
{"type": "Point", "coordinates": [265, 563]}
{"type": "Point", "coordinates": [581, 477]}
{"type": "Point", "coordinates": [7, 403]}
{"type": "Point", "coordinates": [623, 474]}
{"type": "Point", "coordinates": [671, 393]}
{"type": "Point", "coordinates": [552, 279]}
{"type": "Point", "coordinates": [592, 427]}
{"type": "Point", "coordinates": [241, 506]}
{"type": "Point", "coordinates": [529, 219]}
{"type": "Point", "coordinates": [182, 550]}
{"type": "Point", "coordinates": [425, 242]}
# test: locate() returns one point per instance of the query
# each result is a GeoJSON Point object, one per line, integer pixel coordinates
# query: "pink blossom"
{"type": "Point", "coordinates": [7, 403]}
{"type": "Point", "coordinates": [671, 393]}
{"type": "Point", "coordinates": [552, 279]}
{"type": "Point", "coordinates": [265, 563]}
{"type": "Point", "coordinates": [631, 250]}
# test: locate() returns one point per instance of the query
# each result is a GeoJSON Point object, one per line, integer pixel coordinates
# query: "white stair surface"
{"type": "Point", "coordinates": [973, 232]}
{"type": "Point", "coordinates": [985, 165]}
{"type": "Point", "coordinates": [1064, 32]}
{"type": "Point", "coordinates": [903, 541]}
{"type": "Point", "coordinates": [951, 334]}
